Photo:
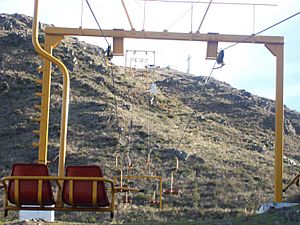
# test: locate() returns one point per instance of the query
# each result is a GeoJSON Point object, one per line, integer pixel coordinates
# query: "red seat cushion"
{"type": "Point", "coordinates": [28, 189]}
{"type": "Point", "coordinates": [82, 190]}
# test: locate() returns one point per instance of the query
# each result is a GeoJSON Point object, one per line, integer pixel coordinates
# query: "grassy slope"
{"type": "Point", "coordinates": [287, 216]}
{"type": "Point", "coordinates": [229, 140]}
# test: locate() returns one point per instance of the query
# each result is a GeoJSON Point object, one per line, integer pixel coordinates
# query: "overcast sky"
{"type": "Point", "coordinates": [248, 66]}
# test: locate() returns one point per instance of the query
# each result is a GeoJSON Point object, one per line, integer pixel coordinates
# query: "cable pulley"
{"type": "Point", "coordinates": [220, 58]}
{"type": "Point", "coordinates": [108, 52]}
{"type": "Point", "coordinates": [219, 61]}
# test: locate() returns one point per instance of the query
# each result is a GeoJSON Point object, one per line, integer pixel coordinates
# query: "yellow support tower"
{"type": "Point", "coordinates": [51, 41]}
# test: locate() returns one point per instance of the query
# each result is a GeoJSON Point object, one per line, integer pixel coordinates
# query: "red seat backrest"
{"type": "Point", "coordinates": [82, 190]}
{"type": "Point", "coordinates": [28, 189]}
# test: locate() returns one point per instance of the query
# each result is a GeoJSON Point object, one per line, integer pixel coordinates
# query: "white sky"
{"type": "Point", "coordinates": [248, 66]}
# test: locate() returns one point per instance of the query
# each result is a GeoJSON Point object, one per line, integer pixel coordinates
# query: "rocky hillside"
{"type": "Point", "coordinates": [225, 157]}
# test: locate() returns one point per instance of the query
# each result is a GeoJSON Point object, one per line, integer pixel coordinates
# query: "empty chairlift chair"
{"type": "Point", "coordinates": [171, 191]}
{"type": "Point", "coordinates": [86, 193]}
{"type": "Point", "coordinates": [26, 192]}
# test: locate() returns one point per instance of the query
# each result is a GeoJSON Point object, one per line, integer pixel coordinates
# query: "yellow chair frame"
{"type": "Point", "coordinates": [59, 205]}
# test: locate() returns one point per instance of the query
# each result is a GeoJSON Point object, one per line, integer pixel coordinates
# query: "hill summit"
{"type": "Point", "coordinates": [225, 154]}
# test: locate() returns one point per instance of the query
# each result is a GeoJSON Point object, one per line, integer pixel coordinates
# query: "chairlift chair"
{"type": "Point", "coordinates": [82, 189]}
{"type": "Point", "coordinates": [173, 191]}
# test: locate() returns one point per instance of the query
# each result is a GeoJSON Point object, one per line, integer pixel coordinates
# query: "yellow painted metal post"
{"type": "Point", "coordinates": [45, 103]}
{"type": "Point", "coordinates": [278, 51]}
{"type": "Point", "coordinates": [51, 41]}
{"type": "Point", "coordinates": [160, 193]}
{"type": "Point", "coordinates": [65, 95]}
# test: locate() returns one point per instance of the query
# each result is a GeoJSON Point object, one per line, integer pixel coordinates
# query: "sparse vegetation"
{"type": "Point", "coordinates": [226, 155]}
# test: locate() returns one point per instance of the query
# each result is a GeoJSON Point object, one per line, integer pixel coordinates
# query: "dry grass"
{"type": "Point", "coordinates": [230, 140]}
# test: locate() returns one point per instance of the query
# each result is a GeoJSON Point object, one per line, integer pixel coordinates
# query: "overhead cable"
{"type": "Point", "coordinates": [87, 2]}
{"type": "Point", "coordinates": [144, 19]}
{"type": "Point", "coordinates": [205, 2]}
{"type": "Point", "coordinates": [127, 14]}
{"type": "Point", "coordinates": [179, 18]}
{"type": "Point", "coordinates": [194, 110]}
{"type": "Point", "coordinates": [253, 35]}
{"type": "Point", "coordinates": [204, 16]}
{"type": "Point", "coordinates": [213, 68]}
{"type": "Point", "coordinates": [81, 17]}
{"type": "Point", "coordinates": [149, 15]}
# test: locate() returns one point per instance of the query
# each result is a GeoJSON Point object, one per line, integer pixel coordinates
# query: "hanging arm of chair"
{"type": "Point", "coordinates": [3, 184]}
{"type": "Point", "coordinates": [294, 181]}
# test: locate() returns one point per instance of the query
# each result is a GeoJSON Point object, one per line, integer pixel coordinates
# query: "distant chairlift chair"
{"type": "Point", "coordinates": [172, 191]}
